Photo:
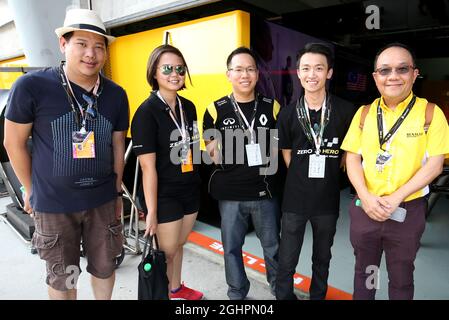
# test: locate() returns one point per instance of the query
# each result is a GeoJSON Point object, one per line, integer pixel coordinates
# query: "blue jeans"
{"type": "Point", "coordinates": [235, 217]}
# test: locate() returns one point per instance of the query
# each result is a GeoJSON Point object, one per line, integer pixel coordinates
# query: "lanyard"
{"type": "Point", "coordinates": [241, 116]}
{"type": "Point", "coordinates": [395, 127]}
{"type": "Point", "coordinates": [182, 128]}
{"type": "Point", "coordinates": [71, 96]}
{"type": "Point", "coordinates": [304, 120]}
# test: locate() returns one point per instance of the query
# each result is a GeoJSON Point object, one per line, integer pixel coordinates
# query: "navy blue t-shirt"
{"type": "Point", "coordinates": [60, 183]}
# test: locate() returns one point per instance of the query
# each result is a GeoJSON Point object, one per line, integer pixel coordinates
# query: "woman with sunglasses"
{"type": "Point", "coordinates": [165, 137]}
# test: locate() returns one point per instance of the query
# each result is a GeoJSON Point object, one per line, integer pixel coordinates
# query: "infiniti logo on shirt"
{"type": "Point", "coordinates": [228, 121]}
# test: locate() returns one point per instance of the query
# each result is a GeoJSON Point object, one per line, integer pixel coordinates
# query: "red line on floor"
{"type": "Point", "coordinates": [301, 282]}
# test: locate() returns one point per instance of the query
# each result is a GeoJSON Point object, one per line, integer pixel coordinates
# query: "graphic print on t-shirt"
{"type": "Point", "coordinates": [329, 147]}
{"type": "Point", "coordinates": [64, 165]}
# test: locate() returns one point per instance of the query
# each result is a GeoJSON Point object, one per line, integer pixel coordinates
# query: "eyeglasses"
{"type": "Point", "coordinates": [91, 110]}
{"type": "Point", "coordinates": [167, 69]}
{"type": "Point", "coordinates": [386, 71]}
{"type": "Point", "coordinates": [239, 70]}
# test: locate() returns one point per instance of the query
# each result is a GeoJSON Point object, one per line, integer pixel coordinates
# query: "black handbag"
{"type": "Point", "coordinates": [153, 281]}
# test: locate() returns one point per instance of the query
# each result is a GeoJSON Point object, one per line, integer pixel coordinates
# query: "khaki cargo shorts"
{"type": "Point", "coordinates": [57, 238]}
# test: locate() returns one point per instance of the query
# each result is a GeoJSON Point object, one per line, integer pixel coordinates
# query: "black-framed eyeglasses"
{"type": "Point", "coordinates": [167, 69]}
{"type": "Point", "coordinates": [91, 109]}
{"type": "Point", "coordinates": [386, 71]}
{"type": "Point", "coordinates": [240, 70]}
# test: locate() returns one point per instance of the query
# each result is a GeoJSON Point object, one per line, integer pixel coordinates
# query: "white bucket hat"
{"type": "Point", "coordinates": [83, 20]}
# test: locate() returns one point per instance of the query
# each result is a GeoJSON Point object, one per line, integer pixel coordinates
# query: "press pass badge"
{"type": "Point", "coordinates": [186, 161]}
{"type": "Point", "coordinates": [253, 154]}
{"type": "Point", "coordinates": [382, 159]}
{"type": "Point", "coordinates": [317, 166]}
{"type": "Point", "coordinates": [83, 144]}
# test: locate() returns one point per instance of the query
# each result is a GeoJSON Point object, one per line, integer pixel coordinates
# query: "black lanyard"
{"type": "Point", "coordinates": [65, 84]}
{"type": "Point", "coordinates": [395, 127]}
{"type": "Point", "coordinates": [304, 120]}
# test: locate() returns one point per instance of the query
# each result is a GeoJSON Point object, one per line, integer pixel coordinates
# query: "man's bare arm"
{"type": "Point", "coordinates": [15, 142]}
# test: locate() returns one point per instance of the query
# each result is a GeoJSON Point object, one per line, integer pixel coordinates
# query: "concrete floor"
{"type": "Point", "coordinates": [431, 265]}
{"type": "Point", "coordinates": [22, 274]}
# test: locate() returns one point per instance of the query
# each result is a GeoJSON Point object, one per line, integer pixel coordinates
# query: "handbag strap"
{"type": "Point", "coordinates": [155, 241]}
{"type": "Point", "coordinates": [149, 244]}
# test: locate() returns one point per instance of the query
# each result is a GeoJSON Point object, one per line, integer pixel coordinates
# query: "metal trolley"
{"type": "Point", "coordinates": [131, 231]}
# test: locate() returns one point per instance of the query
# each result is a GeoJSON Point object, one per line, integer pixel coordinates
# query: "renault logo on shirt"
{"type": "Point", "coordinates": [263, 119]}
{"type": "Point", "coordinates": [228, 121]}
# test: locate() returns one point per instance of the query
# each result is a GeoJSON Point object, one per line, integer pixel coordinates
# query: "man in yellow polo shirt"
{"type": "Point", "coordinates": [391, 160]}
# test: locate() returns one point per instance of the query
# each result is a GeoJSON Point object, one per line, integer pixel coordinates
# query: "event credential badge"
{"type": "Point", "coordinates": [253, 154]}
{"type": "Point", "coordinates": [382, 159]}
{"type": "Point", "coordinates": [186, 160]}
{"type": "Point", "coordinates": [83, 145]}
{"type": "Point", "coordinates": [317, 165]}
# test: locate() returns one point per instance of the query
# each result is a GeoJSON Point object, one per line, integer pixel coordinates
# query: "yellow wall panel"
{"type": "Point", "coordinates": [205, 44]}
{"type": "Point", "coordinates": [8, 78]}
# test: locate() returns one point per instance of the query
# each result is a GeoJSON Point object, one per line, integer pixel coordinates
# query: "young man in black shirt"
{"type": "Point", "coordinates": [311, 130]}
{"type": "Point", "coordinates": [241, 181]}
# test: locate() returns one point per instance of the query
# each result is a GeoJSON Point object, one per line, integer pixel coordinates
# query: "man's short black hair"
{"type": "Point", "coordinates": [393, 45]}
{"type": "Point", "coordinates": [319, 48]}
{"type": "Point", "coordinates": [237, 51]}
{"type": "Point", "coordinates": [67, 36]}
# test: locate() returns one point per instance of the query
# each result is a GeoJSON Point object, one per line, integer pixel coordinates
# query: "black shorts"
{"type": "Point", "coordinates": [174, 208]}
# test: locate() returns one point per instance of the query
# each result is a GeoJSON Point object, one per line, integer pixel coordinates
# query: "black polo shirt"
{"type": "Point", "coordinates": [151, 129]}
{"type": "Point", "coordinates": [313, 196]}
{"type": "Point", "coordinates": [232, 179]}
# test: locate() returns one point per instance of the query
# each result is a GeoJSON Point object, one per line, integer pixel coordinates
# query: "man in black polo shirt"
{"type": "Point", "coordinates": [241, 181]}
{"type": "Point", "coordinates": [311, 130]}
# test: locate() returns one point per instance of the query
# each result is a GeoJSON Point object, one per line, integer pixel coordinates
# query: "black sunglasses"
{"type": "Point", "coordinates": [91, 110]}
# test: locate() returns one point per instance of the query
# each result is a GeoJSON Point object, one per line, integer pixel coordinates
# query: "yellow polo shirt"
{"type": "Point", "coordinates": [410, 145]}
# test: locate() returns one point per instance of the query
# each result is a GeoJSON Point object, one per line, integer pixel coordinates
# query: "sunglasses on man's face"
{"type": "Point", "coordinates": [167, 69]}
{"type": "Point", "coordinates": [386, 71]}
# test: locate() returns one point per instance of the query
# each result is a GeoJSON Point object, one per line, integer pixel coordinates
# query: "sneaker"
{"type": "Point", "coordinates": [185, 293]}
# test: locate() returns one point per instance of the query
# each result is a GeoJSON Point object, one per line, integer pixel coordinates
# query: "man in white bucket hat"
{"type": "Point", "coordinates": [78, 120]}
{"type": "Point", "coordinates": [83, 20]}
